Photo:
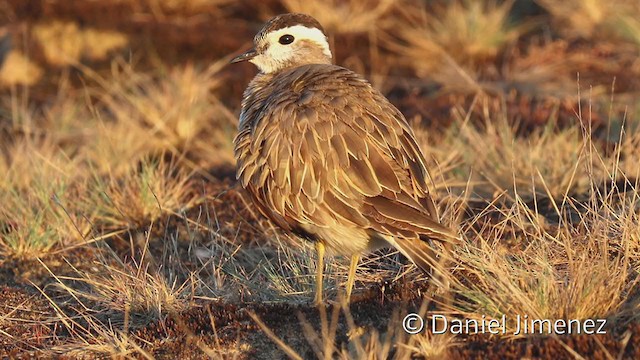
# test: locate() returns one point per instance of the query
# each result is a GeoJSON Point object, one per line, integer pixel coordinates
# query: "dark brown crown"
{"type": "Point", "coordinates": [287, 20]}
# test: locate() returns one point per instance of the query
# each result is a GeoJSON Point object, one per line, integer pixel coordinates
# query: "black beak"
{"type": "Point", "coordinates": [248, 55]}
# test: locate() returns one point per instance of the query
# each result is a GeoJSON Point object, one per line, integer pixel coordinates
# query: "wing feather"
{"type": "Point", "coordinates": [363, 177]}
{"type": "Point", "coordinates": [341, 156]}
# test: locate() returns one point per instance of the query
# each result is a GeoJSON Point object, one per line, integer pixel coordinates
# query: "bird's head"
{"type": "Point", "coordinates": [286, 41]}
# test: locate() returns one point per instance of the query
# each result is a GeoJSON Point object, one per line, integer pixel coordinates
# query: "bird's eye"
{"type": "Point", "coordinates": [286, 39]}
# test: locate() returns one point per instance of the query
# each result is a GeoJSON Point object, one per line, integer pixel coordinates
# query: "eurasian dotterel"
{"type": "Point", "coordinates": [327, 157]}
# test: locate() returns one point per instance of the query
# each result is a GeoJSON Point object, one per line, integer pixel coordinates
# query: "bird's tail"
{"type": "Point", "coordinates": [419, 252]}
{"type": "Point", "coordinates": [422, 253]}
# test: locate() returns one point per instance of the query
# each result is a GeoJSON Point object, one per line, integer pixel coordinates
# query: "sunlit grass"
{"type": "Point", "coordinates": [586, 270]}
{"type": "Point", "coordinates": [114, 165]}
{"type": "Point", "coordinates": [77, 160]}
{"type": "Point", "coordinates": [154, 188]}
{"type": "Point", "coordinates": [178, 8]}
{"type": "Point", "coordinates": [431, 346]}
{"type": "Point", "coordinates": [558, 237]}
{"type": "Point", "coordinates": [36, 214]}
{"type": "Point", "coordinates": [451, 43]}
{"type": "Point", "coordinates": [17, 69]}
{"type": "Point", "coordinates": [66, 43]}
{"type": "Point", "coordinates": [131, 290]}
{"type": "Point", "coordinates": [595, 19]}
{"type": "Point", "coordinates": [121, 296]}
{"type": "Point", "coordinates": [505, 161]}
{"type": "Point", "coordinates": [352, 16]}
{"type": "Point", "coordinates": [175, 113]}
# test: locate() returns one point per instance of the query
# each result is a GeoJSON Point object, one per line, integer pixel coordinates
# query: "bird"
{"type": "Point", "coordinates": [326, 157]}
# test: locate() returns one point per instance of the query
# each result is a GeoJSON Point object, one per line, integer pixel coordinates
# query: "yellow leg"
{"type": "Point", "coordinates": [319, 272]}
{"type": "Point", "coordinates": [352, 275]}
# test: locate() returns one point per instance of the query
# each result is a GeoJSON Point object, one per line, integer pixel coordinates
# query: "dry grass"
{"type": "Point", "coordinates": [364, 343]}
{"type": "Point", "coordinates": [595, 19]}
{"type": "Point", "coordinates": [116, 168]}
{"type": "Point", "coordinates": [565, 239]}
{"type": "Point", "coordinates": [175, 112]}
{"type": "Point", "coordinates": [81, 162]}
{"type": "Point", "coordinates": [19, 70]}
{"type": "Point", "coordinates": [131, 295]}
{"type": "Point", "coordinates": [167, 8]}
{"type": "Point", "coordinates": [340, 17]}
{"type": "Point", "coordinates": [451, 43]}
{"type": "Point", "coordinates": [506, 162]}
{"type": "Point", "coordinates": [542, 73]}
{"type": "Point", "coordinates": [37, 178]}
{"type": "Point", "coordinates": [432, 346]}
{"type": "Point", "coordinates": [566, 273]}
{"type": "Point", "coordinates": [140, 196]}
{"type": "Point", "coordinates": [65, 43]}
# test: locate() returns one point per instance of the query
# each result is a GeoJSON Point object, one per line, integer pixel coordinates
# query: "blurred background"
{"type": "Point", "coordinates": [421, 53]}
{"type": "Point", "coordinates": [95, 78]}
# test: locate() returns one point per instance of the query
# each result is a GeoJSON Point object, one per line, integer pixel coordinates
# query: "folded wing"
{"type": "Point", "coordinates": [330, 155]}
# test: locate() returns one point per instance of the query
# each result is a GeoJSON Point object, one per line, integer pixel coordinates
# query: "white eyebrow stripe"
{"type": "Point", "coordinates": [301, 32]}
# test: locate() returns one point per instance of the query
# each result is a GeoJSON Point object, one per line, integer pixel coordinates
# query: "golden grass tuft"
{"type": "Point", "coordinates": [121, 297]}
{"type": "Point", "coordinates": [430, 346]}
{"type": "Point", "coordinates": [104, 340]}
{"type": "Point", "coordinates": [36, 214]}
{"type": "Point", "coordinates": [174, 113]}
{"type": "Point", "coordinates": [155, 188]}
{"type": "Point", "coordinates": [164, 8]}
{"type": "Point", "coordinates": [66, 43]}
{"type": "Point", "coordinates": [558, 237]}
{"type": "Point", "coordinates": [337, 16]}
{"type": "Point", "coordinates": [450, 43]}
{"type": "Point", "coordinates": [504, 161]}
{"type": "Point", "coordinates": [595, 19]}
{"type": "Point", "coordinates": [17, 69]}
{"type": "Point", "coordinates": [577, 271]}
{"type": "Point", "coordinates": [557, 234]}
{"type": "Point", "coordinates": [134, 291]}
{"type": "Point", "coordinates": [99, 157]}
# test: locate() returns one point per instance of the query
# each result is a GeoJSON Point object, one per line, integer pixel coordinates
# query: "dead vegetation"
{"type": "Point", "coordinates": [123, 233]}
